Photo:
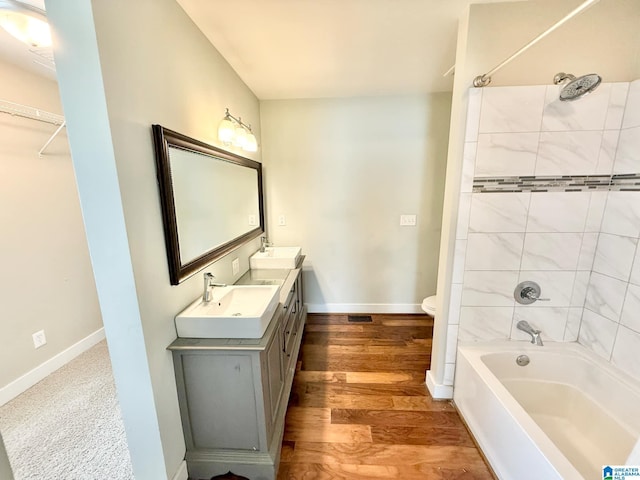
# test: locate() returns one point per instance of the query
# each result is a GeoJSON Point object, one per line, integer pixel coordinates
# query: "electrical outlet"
{"type": "Point", "coordinates": [282, 220]}
{"type": "Point", "coordinates": [253, 221]}
{"type": "Point", "coordinates": [39, 339]}
{"type": "Point", "coordinates": [235, 266]}
{"type": "Point", "coordinates": [408, 220]}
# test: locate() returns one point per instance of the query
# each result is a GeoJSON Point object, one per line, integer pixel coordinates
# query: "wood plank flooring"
{"type": "Point", "coordinates": [359, 407]}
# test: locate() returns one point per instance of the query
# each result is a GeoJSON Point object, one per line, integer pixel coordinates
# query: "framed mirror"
{"type": "Point", "coordinates": [211, 201]}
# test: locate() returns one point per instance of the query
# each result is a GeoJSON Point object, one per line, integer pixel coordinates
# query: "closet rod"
{"type": "Point", "coordinates": [32, 113]}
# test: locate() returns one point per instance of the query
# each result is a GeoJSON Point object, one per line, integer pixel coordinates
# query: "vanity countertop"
{"type": "Point", "coordinates": [264, 277]}
{"type": "Point", "coordinates": [284, 278]}
{"type": "Point", "coordinates": [267, 276]}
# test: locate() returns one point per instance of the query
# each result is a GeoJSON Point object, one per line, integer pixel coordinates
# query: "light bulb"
{"type": "Point", "coordinates": [251, 144]}
{"type": "Point", "coordinates": [240, 137]}
{"type": "Point", "coordinates": [226, 131]}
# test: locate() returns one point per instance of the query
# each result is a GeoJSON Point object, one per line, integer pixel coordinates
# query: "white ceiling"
{"type": "Point", "coordinates": [316, 48]}
{"type": "Point", "coordinates": [37, 60]}
{"type": "Point", "coordinates": [334, 48]}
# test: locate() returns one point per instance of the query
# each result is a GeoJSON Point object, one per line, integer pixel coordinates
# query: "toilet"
{"type": "Point", "coordinates": [429, 305]}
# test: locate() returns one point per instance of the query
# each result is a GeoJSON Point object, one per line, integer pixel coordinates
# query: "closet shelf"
{"type": "Point", "coordinates": [32, 113]}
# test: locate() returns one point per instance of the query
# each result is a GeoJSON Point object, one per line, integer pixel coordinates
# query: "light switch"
{"type": "Point", "coordinates": [235, 266]}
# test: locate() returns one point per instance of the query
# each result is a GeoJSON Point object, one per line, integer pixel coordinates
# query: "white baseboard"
{"type": "Point", "coordinates": [364, 308]}
{"type": "Point", "coordinates": [182, 473]}
{"type": "Point", "coordinates": [29, 379]}
{"type": "Point", "coordinates": [437, 390]}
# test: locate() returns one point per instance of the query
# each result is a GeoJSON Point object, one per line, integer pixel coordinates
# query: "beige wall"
{"type": "Point", "coordinates": [636, 74]}
{"type": "Point", "coordinates": [342, 171]}
{"type": "Point", "coordinates": [604, 39]}
{"type": "Point", "coordinates": [123, 67]}
{"type": "Point", "coordinates": [47, 282]}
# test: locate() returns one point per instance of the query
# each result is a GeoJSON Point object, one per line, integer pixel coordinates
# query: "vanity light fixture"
{"type": "Point", "coordinates": [25, 22]}
{"type": "Point", "coordinates": [240, 136]}
{"type": "Point", "coordinates": [233, 131]}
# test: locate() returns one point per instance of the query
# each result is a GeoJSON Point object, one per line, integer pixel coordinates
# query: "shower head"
{"type": "Point", "coordinates": [577, 87]}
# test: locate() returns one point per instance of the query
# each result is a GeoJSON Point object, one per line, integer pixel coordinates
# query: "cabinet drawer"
{"type": "Point", "coordinates": [291, 298]}
{"type": "Point", "coordinates": [290, 315]}
{"type": "Point", "coordinates": [287, 333]}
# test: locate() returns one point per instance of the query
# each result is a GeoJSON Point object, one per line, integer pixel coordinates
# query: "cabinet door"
{"type": "Point", "coordinates": [275, 374]}
{"type": "Point", "coordinates": [221, 401]}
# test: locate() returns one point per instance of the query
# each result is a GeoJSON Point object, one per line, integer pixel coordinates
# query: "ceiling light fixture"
{"type": "Point", "coordinates": [233, 131]}
{"type": "Point", "coordinates": [26, 23]}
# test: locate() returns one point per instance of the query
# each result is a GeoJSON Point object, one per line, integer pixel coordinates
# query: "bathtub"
{"type": "Point", "coordinates": [561, 417]}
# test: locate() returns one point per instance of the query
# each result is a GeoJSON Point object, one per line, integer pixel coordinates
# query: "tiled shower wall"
{"type": "Point", "coordinates": [550, 193]}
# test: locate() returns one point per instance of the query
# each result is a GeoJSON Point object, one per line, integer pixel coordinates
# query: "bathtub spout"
{"type": "Point", "coordinates": [535, 334]}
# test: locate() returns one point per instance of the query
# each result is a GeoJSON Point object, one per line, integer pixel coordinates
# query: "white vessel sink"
{"type": "Point", "coordinates": [235, 311]}
{"type": "Point", "coordinates": [276, 257]}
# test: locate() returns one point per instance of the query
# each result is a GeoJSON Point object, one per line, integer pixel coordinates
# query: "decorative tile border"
{"type": "Point", "coordinates": [626, 183]}
{"type": "Point", "coordinates": [565, 183]}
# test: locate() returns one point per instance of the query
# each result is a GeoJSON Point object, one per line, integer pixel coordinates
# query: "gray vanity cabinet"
{"type": "Point", "coordinates": [233, 393]}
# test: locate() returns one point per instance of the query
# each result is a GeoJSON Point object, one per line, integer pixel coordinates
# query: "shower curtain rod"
{"type": "Point", "coordinates": [484, 80]}
{"type": "Point", "coordinates": [24, 111]}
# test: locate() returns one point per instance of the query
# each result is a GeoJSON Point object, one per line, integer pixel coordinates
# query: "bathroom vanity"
{"type": "Point", "coordinates": [233, 393]}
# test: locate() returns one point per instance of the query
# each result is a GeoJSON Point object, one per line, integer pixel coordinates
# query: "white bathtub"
{"type": "Point", "coordinates": [562, 417]}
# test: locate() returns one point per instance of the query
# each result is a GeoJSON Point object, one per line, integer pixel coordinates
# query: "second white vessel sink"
{"type": "Point", "coordinates": [235, 311]}
{"type": "Point", "coordinates": [275, 257]}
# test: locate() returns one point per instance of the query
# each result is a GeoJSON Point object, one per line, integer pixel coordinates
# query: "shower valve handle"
{"type": "Point", "coordinates": [532, 294]}
{"type": "Point", "coordinates": [528, 292]}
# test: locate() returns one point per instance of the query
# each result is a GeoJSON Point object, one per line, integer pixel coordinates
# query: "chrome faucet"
{"type": "Point", "coordinates": [208, 283]}
{"type": "Point", "coordinates": [264, 244]}
{"type": "Point", "coordinates": [535, 334]}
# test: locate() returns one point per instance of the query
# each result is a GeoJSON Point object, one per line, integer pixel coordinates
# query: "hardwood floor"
{"type": "Point", "coordinates": [359, 408]}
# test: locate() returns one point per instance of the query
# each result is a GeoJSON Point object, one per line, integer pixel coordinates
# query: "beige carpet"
{"type": "Point", "coordinates": [68, 426]}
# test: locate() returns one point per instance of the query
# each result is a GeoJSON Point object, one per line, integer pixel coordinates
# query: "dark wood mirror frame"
{"type": "Point", "coordinates": [163, 139]}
